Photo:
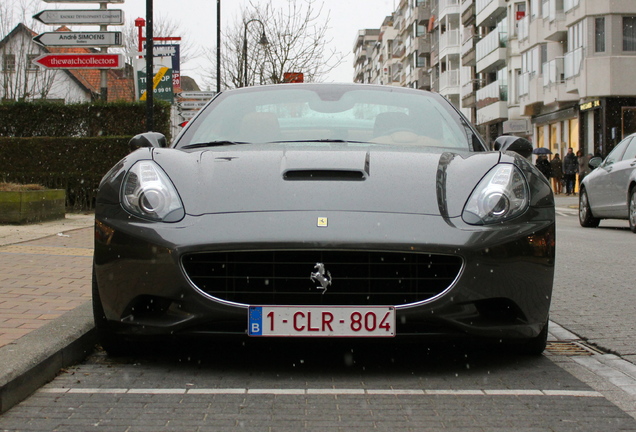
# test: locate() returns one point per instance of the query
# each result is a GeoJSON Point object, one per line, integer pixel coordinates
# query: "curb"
{"type": "Point", "coordinates": [37, 357]}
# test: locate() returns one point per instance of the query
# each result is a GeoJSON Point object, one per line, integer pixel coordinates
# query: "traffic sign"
{"type": "Point", "coordinates": [86, 17]}
{"type": "Point", "coordinates": [81, 61]}
{"type": "Point", "coordinates": [91, 39]}
{"type": "Point", "coordinates": [83, 1]}
{"type": "Point", "coordinates": [187, 115]}
{"type": "Point", "coordinates": [192, 104]}
{"type": "Point", "coordinates": [197, 94]}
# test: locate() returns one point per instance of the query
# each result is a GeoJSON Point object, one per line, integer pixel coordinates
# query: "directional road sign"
{"type": "Point", "coordinates": [91, 39]}
{"type": "Point", "coordinates": [187, 115]}
{"type": "Point", "coordinates": [197, 94]}
{"type": "Point", "coordinates": [86, 17]}
{"type": "Point", "coordinates": [192, 104]}
{"type": "Point", "coordinates": [81, 61]}
{"type": "Point", "coordinates": [83, 1]}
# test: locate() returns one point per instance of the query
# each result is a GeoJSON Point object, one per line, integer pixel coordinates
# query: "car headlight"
{"type": "Point", "coordinates": [501, 195]}
{"type": "Point", "coordinates": [147, 192]}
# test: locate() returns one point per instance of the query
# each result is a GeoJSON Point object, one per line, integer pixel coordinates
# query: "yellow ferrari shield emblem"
{"type": "Point", "coordinates": [322, 221]}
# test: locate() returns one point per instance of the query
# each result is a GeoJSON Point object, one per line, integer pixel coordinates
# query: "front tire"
{"type": "Point", "coordinates": [112, 343]}
{"type": "Point", "coordinates": [586, 219]}
{"type": "Point", "coordinates": [632, 210]}
{"type": "Point", "coordinates": [536, 345]}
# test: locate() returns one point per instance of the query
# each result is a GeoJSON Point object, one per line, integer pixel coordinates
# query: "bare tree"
{"type": "Point", "coordinates": [163, 26]}
{"type": "Point", "coordinates": [296, 42]}
{"type": "Point", "coordinates": [20, 79]}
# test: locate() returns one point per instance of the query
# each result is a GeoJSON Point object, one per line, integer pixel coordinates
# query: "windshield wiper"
{"type": "Point", "coordinates": [213, 144]}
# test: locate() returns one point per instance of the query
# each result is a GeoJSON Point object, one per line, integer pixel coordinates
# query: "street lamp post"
{"type": "Point", "coordinates": [263, 41]}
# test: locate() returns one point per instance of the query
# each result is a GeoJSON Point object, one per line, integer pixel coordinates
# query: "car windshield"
{"type": "Point", "coordinates": [322, 114]}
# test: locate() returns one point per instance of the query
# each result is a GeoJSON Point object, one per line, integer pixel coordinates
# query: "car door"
{"type": "Point", "coordinates": [600, 189]}
{"type": "Point", "coordinates": [619, 181]}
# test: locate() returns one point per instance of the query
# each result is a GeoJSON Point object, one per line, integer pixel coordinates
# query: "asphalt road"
{"type": "Point", "coordinates": [219, 386]}
{"type": "Point", "coordinates": [595, 284]}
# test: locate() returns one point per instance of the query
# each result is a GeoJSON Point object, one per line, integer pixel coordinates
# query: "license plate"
{"type": "Point", "coordinates": [323, 321]}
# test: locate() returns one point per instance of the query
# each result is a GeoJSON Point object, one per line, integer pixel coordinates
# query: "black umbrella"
{"type": "Point", "coordinates": [541, 151]}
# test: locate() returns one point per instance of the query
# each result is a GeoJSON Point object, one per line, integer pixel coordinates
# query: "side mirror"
{"type": "Point", "coordinates": [514, 144]}
{"type": "Point", "coordinates": [595, 162]}
{"type": "Point", "coordinates": [147, 139]}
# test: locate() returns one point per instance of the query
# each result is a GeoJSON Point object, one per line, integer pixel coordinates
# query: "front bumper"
{"type": "Point", "coordinates": [503, 289]}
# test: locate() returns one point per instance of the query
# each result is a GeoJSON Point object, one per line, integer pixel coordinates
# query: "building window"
{"type": "Point", "coordinates": [599, 34]}
{"type": "Point", "coordinates": [576, 36]}
{"type": "Point", "coordinates": [8, 62]}
{"type": "Point", "coordinates": [629, 33]}
{"type": "Point", "coordinates": [30, 65]}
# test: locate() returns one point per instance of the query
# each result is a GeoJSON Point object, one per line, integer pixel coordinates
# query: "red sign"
{"type": "Point", "coordinates": [293, 77]}
{"type": "Point", "coordinates": [80, 61]}
{"type": "Point", "coordinates": [520, 15]}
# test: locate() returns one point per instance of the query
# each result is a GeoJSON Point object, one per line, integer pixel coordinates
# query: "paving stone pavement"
{"type": "Point", "coordinates": [41, 279]}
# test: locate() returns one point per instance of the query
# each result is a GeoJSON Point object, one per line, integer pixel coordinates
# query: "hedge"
{"type": "Point", "coordinates": [48, 119]}
{"type": "Point", "coordinates": [70, 146]}
{"type": "Point", "coordinates": [74, 164]}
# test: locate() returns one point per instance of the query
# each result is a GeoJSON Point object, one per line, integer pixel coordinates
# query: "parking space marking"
{"type": "Point", "coordinates": [326, 391]}
{"type": "Point", "coordinates": [47, 250]}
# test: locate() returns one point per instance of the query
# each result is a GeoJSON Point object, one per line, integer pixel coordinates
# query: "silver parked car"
{"type": "Point", "coordinates": [609, 192]}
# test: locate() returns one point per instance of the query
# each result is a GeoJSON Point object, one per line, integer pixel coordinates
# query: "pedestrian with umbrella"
{"type": "Point", "coordinates": [542, 163]}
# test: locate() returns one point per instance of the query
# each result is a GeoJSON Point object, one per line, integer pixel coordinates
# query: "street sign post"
{"type": "Point", "coordinates": [76, 39]}
{"type": "Point", "coordinates": [81, 17]}
{"type": "Point", "coordinates": [81, 61]}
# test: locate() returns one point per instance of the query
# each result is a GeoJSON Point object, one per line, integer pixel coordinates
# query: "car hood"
{"type": "Point", "coordinates": [274, 177]}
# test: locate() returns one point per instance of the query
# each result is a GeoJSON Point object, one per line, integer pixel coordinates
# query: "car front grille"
{"type": "Point", "coordinates": [357, 278]}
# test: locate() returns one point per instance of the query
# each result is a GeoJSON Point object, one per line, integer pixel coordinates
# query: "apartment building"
{"type": "Point", "coordinates": [555, 71]}
{"type": "Point", "coordinates": [399, 52]}
{"type": "Point", "coordinates": [576, 82]}
{"type": "Point", "coordinates": [446, 54]}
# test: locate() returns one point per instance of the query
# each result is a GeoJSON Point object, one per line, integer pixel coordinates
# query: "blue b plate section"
{"type": "Point", "coordinates": [255, 321]}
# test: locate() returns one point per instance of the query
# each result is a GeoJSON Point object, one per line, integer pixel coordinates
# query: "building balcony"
{"type": "Point", "coordinates": [423, 12]}
{"type": "Point", "coordinates": [423, 45]}
{"type": "Point", "coordinates": [572, 63]}
{"type": "Point", "coordinates": [449, 82]}
{"type": "Point", "coordinates": [553, 72]}
{"type": "Point", "coordinates": [434, 56]}
{"type": "Point", "coordinates": [493, 92]}
{"type": "Point", "coordinates": [468, 94]}
{"type": "Point", "coordinates": [423, 79]}
{"type": "Point", "coordinates": [523, 28]}
{"type": "Point", "coordinates": [530, 94]}
{"type": "Point", "coordinates": [447, 7]}
{"type": "Point", "coordinates": [495, 112]}
{"type": "Point", "coordinates": [469, 56]}
{"type": "Point", "coordinates": [489, 11]}
{"type": "Point", "coordinates": [449, 41]}
{"type": "Point", "coordinates": [467, 10]}
{"type": "Point", "coordinates": [568, 5]}
{"type": "Point", "coordinates": [398, 51]}
{"type": "Point", "coordinates": [554, 28]}
{"type": "Point", "coordinates": [491, 51]}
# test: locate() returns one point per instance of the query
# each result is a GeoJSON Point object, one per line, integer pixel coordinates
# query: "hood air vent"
{"type": "Point", "coordinates": [324, 175]}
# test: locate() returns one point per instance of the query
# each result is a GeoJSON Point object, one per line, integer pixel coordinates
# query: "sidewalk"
{"type": "Point", "coordinates": [46, 320]}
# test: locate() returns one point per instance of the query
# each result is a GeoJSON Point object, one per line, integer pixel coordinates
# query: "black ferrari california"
{"type": "Point", "coordinates": [324, 210]}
